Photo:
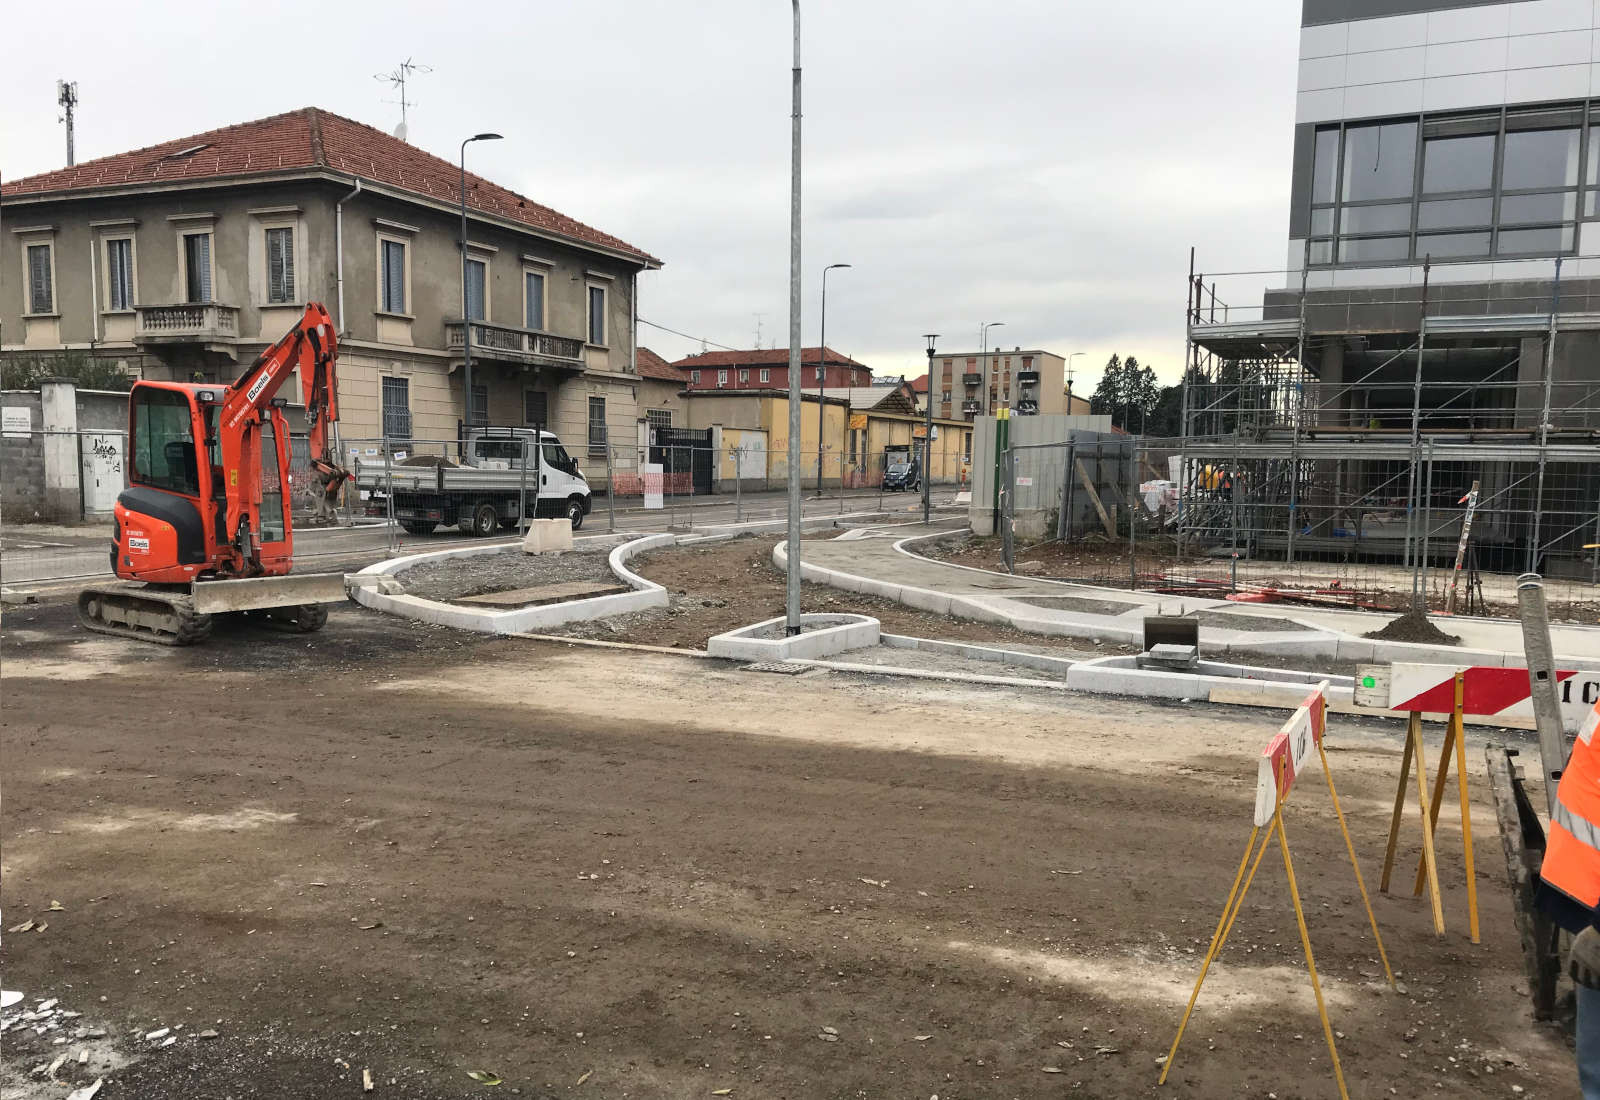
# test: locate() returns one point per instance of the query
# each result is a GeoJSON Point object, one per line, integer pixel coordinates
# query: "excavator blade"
{"type": "Point", "coordinates": [258, 593]}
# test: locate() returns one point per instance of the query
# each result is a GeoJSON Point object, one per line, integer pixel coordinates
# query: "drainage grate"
{"type": "Point", "coordinates": [782, 668]}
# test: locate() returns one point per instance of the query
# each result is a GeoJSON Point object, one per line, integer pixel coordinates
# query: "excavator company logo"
{"type": "Point", "coordinates": [261, 383]}
{"type": "Point", "coordinates": [139, 546]}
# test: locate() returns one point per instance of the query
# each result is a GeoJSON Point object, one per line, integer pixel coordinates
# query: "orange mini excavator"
{"type": "Point", "coordinates": [204, 526]}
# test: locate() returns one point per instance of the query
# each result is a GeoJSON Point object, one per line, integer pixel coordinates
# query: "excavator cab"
{"type": "Point", "coordinates": [171, 521]}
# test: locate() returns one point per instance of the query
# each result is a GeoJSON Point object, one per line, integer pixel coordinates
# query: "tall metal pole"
{"type": "Point", "coordinates": [466, 318]}
{"type": "Point", "coordinates": [792, 602]}
{"type": "Point", "coordinates": [67, 99]}
{"type": "Point", "coordinates": [822, 378]}
{"type": "Point", "coordinates": [927, 437]}
{"type": "Point", "coordinates": [1544, 419]}
{"type": "Point", "coordinates": [1416, 442]}
{"type": "Point", "coordinates": [983, 366]}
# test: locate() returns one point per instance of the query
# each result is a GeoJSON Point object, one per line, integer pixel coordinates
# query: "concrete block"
{"type": "Point", "coordinates": [925, 599]}
{"type": "Point", "coordinates": [1354, 649]}
{"type": "Point", "coordinates": [548, 536]}
{"type": "Point", "coordinates": [825, 636]}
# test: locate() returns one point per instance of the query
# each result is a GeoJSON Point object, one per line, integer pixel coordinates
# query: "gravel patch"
{"type": "Point", "coordinates": [1258, 623]}
{"type": "Point", "coordinates": [453, 578]}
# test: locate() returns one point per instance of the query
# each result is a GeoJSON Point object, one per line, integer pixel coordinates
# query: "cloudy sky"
{"type": "Point", "coordinates": [1046, 163]}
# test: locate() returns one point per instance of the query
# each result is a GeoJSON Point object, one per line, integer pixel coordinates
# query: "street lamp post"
{"type": "Point", "coordinates": [983, 365]}
{"type": "Point", "coordinates": [1070, 358]}
{"type": "Point", "coordinates": [927, 436]}
{"type": "Point", "coordinates": [792, 594]}
{"type": "Point", "coordinates": [466, 317]}
{"type": "Point", "coordinates": [822, 375]}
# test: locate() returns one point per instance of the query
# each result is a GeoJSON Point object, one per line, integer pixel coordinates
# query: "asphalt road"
{"type": "Point", "coordinates": [38, 556]}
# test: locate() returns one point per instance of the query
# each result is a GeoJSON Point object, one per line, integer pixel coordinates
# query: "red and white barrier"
{"type": "Point", "coordinates": [1288, 751]}
{"type": "Point", "coordinates": [1486, 690]}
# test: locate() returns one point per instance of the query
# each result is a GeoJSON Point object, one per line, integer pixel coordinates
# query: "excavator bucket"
{"type": "Point", "coordinates": [259, 593]}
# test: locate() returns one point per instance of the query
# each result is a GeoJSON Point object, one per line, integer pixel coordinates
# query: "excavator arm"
{"type": "Point", "coordinates": [313, 348]}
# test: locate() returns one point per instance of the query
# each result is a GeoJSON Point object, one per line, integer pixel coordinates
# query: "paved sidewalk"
{"type": "Point", "coordinates": [873, 560]}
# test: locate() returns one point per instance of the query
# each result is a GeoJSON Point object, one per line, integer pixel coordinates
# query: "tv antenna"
{"type": "Point", "coordinates": [759, 316]}
{"type": "Point", "coordinates": [397, 78]}
{"type": "Point", "coordinates": [67, 99]}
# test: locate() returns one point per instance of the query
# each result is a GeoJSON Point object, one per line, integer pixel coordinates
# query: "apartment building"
{"type": "Point", "coordinates": [185, 259]}
{"type": "Point", "coordinates": [970, 384]}
{"type": "Point", "coordinates": [768, 369]}
{"type": "Point", "coordinates": [1441, 297]}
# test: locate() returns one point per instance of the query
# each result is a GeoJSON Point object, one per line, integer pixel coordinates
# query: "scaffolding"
{"type": "Point", "coordinates": [1347, 424]}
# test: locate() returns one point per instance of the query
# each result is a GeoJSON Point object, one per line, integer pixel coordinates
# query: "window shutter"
{"type": "Point", "coordinates": [39, 289]}
{"type": "Point", "coordinates": [119, 273]}
{"type": "Point", "coordinates": [280, 265]}
{"type": "Point", "coordinates": [535, 301]}
{"type": "Point", "coordinates": [477, 272]}
{"type": "Point", "coordinates": [394, 277]}
{"type": "Point", "coordinates": [203, 263]}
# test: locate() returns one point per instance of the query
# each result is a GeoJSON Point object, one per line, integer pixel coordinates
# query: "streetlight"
{"type": "Point", "coordinates": [927, 436]}
{"type": "Point", "coordinates": [792, 587]}
{"type": "Point", "coordinates": [466, 317]}
{"type": "Point", "coordinates": [983, 368]}
{"type": "Point", "coordinates": [1070, 358]}
{"type": "Point", "coordinates": [822, 374]}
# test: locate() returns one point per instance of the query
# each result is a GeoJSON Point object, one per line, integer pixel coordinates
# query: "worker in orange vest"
{"type": "Point", "coordinates": [1569, 889]}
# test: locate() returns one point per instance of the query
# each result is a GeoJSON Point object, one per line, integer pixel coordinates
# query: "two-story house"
{"type": "Point", "coordinates": [768, 369]}
{"type": "Point", "coordinates": [185, 259]}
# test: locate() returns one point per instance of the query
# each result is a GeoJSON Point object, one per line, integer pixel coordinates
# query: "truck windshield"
{"type": "Point", "coordinates": [163, 442]}
{"type": "Point", "coordinates": [555, 456]}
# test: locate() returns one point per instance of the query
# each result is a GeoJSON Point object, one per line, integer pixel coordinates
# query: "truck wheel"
{"type": "Point", "coordinates": [575, 512]}
{"type": "Point", "coordinates": [485, 521]}
{"type": "Point", "coordinates": [417, 526]}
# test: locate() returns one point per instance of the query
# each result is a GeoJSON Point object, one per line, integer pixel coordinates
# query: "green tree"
{"type": "Point", "coordinates": [1107, 396]}
{"type": "Point", "coordinates": [1127, 392]}
{"type": "Point", "coordinates": [87, 372]}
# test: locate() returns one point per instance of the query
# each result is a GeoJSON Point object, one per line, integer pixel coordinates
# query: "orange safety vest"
{"type": "Point", "coordinates": [1572, 848]}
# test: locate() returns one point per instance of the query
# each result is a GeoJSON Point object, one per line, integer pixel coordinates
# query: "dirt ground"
{"type": "Point", "coordinates": [726, 585]}
{"type": "Point", "coordinates": [453, 578]}
{"type": "Point", "coordinates": [1372, 586]}
{"type": "Point", "coordinates": [616, 874]}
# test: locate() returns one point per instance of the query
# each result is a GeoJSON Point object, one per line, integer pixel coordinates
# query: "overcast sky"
{"type": "Point", "coordinates": [1038, 162]}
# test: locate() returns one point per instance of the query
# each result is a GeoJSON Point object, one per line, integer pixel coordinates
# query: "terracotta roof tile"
{"type": "Point", "coordinates": [307, 139]}
{"type": "Point", "coordinates": [761, 357]}
{"type": "Point", "coordinates": [652, 365]}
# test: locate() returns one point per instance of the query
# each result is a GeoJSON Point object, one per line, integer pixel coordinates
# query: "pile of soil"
{"type": "Point", "coordinates": [453, 578]}
{"type": "Point", "coordinates": [1413, 626]}
{"type": "Point", "coordinates": [428, 460]}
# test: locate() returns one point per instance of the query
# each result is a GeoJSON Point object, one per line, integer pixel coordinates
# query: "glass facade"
{"type": "Point", "coordinates": [1504, 183]}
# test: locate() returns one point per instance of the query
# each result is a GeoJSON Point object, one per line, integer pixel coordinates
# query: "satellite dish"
{"type": "Point", "coordinates": [400, 131]}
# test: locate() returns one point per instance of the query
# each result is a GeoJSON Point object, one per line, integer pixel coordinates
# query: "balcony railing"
{"type": "Point", "coordinates": [973, 379]}
{"type": "Point", "coordinates": [1026, 376]}
{"type": "Point", "coordinates": [518, 345]}
{"type": "Point", "coordinates": [189, 321]}
{"type": "Point", "coordinates": [970, 406]}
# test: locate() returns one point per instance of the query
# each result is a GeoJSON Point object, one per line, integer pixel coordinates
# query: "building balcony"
{"type": "Point", "coordinates": [519, 346]}
{"type": "Point", "coordinates": [1027, 376]}
{"type": "Point", "coordinates": [1027, 407]}
{"type": "Point", "coordinates": [971, 407]}
{"type": "Point", "coordinates": [208, 324]}
{"type": "Point", "coordinates": [973, 379]}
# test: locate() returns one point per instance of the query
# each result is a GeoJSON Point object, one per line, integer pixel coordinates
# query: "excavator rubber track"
{"type": "Point", "coordinates": [144, 612]}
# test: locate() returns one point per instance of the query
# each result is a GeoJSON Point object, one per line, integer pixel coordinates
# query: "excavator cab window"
{"type": "Point", "coordinates": [163, 442]}
{"type": "Point", "coordinates": [272, 525]}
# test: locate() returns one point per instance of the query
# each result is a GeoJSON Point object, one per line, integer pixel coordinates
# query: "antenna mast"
{"type": "Point", "coordinates": [67, 99]}
{"type": "Point", "coordinates": [397, 78]}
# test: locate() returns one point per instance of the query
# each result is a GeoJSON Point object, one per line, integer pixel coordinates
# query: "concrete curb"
{"type": "Point", "coordinates": [830, 634]}
{"type": "Point", "coordinates": [646, 594]}
{"type": "Point", "coordinates": [1121, 676]}
{"type": "Point", "coordinates": [1040, 661]}
{"type": "Point", "coordinates": [1313, 641]}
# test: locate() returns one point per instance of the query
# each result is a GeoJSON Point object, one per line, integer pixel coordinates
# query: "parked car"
{"type": "Point", "coordinates": [903, 476]}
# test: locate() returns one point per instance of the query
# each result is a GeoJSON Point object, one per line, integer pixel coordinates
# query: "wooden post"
{"type": "Point", "coordinates": [1094, 498]}
{"type": "Point", "coordinates": [1399, 801]}
{"type": "Point", "coordinates": [1466, 808]}
{"type": "Point", "coordinates": [1430, 858]}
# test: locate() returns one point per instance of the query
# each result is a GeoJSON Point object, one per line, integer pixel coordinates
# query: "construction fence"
{"type": "Point", "coordinates": [1217, 517]}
